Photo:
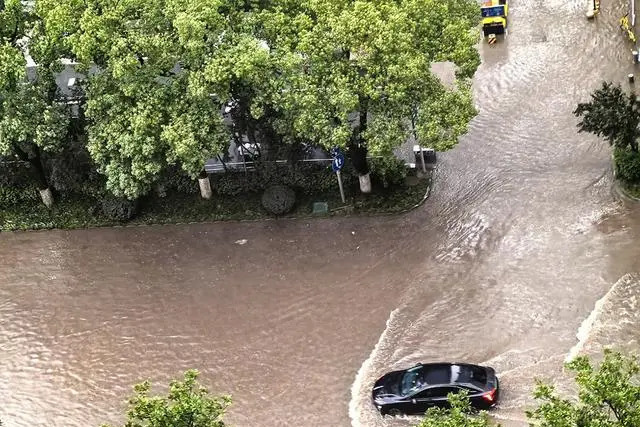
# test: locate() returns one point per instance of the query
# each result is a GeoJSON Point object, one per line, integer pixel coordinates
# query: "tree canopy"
{"type": "Point", "coordinates": [158, 75]}
{"type": "Point", "coordinates": [608, 395]}
{"type": "Point", "coordinates": [614, 115]}
{"type": "Point", "coordinates": [611, 114]}
{"type": "Point", "coordinates": [187, 404]}
{"type": "Point", "coordinates": [365, 68]}
{"type": "Point", "coordinates": [34, 115]}
{"type": "Point", "coordinates": [148, 103]}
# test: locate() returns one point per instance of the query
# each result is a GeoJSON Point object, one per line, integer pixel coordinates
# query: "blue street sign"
{"type": "Point", "coordinates": [338, 162]}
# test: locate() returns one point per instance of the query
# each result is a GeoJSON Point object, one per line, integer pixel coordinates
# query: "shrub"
{"type": "Point", "coordinates": [626, 165]}
{"type": "Point", "coordinates": [235, 183]}
{"type": "Point", "coordinates": [15, 174]}
{"type": "Point", "coordinates": [388, 170]}
{"type": "Point", "coordinates": [173, 178]}
{"type": "Point", "coordinates": [94, 187]}
{"type": "Point", "coordinates": [70, 169]}
{"type": "Point", "coordinates": [314, 179]}
{"type": "Point", "coordinates": [13, 196]}
{"type": "Point", "coordinates": [278, 199]}
{"type": "Point", "coordinates": [306, 179]}
{"type": "Point", "coordinates": [118, 209]}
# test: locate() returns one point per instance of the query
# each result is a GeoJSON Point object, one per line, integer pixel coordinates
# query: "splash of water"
{"type": "Point", "coordinates": [590, 322]}
{"type": "Point", "coordinates": [356, 402]}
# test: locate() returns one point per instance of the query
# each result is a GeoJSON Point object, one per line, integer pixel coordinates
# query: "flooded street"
{"type": "Point", "coordinates": [521, 258]}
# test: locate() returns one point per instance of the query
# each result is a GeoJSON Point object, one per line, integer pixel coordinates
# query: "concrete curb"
{"type": "Point", "coordinates": [292, 218]}
{"type": "Point", "coordinates": [620, 193]}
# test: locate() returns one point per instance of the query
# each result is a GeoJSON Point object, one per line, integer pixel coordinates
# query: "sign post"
{"type": "Point", "coordinates": [337, 164]}
{"type": "Point", "coordinates": [340, 185]}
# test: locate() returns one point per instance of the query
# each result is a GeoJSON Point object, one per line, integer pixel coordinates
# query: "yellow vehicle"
{"type": "Point", "coordinates": [624, 24]}
{"type": "Point", "coordinates": [494, 14]}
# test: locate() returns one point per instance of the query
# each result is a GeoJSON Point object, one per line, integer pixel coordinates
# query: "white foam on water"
{"type": "Point", "coordinates": [516, 418]}
{"type": "Point", "coordinates": [586, 222]}
{"type": "Point", "coordinates": [589, 324]}
{"type": "Point", "coordinates": [356, 402]}
{"type": "Point", "coordinates": [521, 368]}
{"type": "Point", "coordinates": [499, 358]}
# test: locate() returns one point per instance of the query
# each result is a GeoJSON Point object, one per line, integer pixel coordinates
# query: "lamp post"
{"type": "Point", "coordinates": [420, 150]}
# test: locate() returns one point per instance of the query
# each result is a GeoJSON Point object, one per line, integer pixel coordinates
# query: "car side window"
{"type": "Point", "coordinates": [444, 391]}
{"type": "Point", "coordinates": [436, 392]}
{"type": "Point", "coordinates": [470, 391]}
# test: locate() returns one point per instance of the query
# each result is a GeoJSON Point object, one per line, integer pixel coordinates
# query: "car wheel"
{"type": "Point", "coordinates": [394, 412]}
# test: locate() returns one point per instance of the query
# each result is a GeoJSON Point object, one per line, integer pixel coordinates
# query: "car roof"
{"type": "Point", "coordinates": [443, 374]}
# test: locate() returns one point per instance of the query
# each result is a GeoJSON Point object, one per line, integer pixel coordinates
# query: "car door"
{"type": "Point", "coordinates": [427, 398]}
{"type": "Point", "coordinates": [439, 395]}
{"type": "Point", "coordinates": [475, 396]}
{"type": "Point", "coordinates": [421, 402]}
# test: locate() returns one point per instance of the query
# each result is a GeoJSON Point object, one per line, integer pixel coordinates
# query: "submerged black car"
{"type": "Point", "coordinates": [415, 390]}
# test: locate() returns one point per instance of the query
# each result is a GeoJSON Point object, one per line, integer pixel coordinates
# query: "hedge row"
{"type": "Point", "coordinates": [174, 207]}
{"type": "Point", "coordinates": [84, 187]}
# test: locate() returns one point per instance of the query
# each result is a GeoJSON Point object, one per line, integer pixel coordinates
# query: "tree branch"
{"type": "Point", "coordinates": [616, 413]}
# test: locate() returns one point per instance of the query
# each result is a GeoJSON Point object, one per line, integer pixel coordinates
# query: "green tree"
{"type": "Point", "coordinates": [34, 115]}
{"type": "Point", "coordinates": [366, 71]}
{"type": "Point", "coordinates": [149, 105]}
{"type": "Point", "coordinates": [611, 114]}
{"type": "Point", "coordinates": [251, 69]}
{"type": "Point", "coordinates": [187, 404]}
{"type": "Point", "coordinates": [614, 115]}
{"type": "Point", "coordinates": [460, 414]}
{"type": "Point", "coordinates": [608, 395]}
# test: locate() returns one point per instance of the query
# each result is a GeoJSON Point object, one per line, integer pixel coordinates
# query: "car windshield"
{"type": "Point", "coordinates": [487, 12]}
{"type": "Point", "coordinates": [412, 381]}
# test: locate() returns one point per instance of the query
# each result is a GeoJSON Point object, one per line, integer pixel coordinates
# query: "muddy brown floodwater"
{"type": "Point", "coordinates": [521, 258]}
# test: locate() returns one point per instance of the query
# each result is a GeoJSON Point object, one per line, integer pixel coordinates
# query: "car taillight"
{"type": "Point", "coordinates": [489, 396]}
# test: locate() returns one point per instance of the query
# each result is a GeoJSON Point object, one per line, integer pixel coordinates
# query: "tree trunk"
{"type": "Point", "coordinates": [38, 172]}
{"type": "Point", "coordinates": [39, 169]}
{"type": "Point", "coordinates": [359, 153]}
{"type": "Point", "coordinates": [47, 197]}
{"type": "Point", "coordinates": [205, 186]}
{"type": "Point", "coordinates": [365, 183]}
{"type": "Point", "coordinates": [250, 130]}
{"type": "Point", "coordinates": [45, 191]}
